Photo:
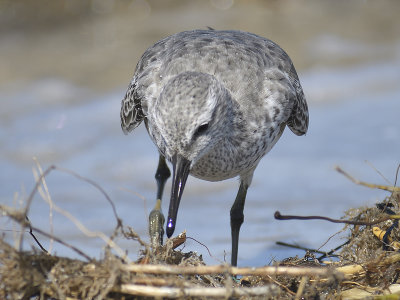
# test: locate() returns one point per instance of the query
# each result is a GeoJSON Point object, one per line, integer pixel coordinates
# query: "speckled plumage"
{"type": "Point", "coordinates": [243, 88]}
{"type": "Point", "coordinates": [257, 74]}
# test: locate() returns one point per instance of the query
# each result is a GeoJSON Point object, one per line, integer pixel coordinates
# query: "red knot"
{"type": "Point", "coordinates": [214, 103]}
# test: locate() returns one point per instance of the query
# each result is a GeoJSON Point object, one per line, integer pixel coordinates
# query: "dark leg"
{"type": "Point", "coordinates": [237, 218]}
{"type": "Point", "coordinates": [156, 217]}
{"type": "Point", "coordinates": [162, 174]}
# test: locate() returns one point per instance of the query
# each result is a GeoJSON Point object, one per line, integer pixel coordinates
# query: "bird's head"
{"type": "Point", "coordinates": [192, 115]}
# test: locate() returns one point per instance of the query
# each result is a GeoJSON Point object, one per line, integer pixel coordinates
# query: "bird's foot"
{"type": "Point", "coordinates": [156, 226]}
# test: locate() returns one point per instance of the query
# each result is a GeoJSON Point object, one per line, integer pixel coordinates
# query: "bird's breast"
{"type": "Point", "coordinates": [229, 159]}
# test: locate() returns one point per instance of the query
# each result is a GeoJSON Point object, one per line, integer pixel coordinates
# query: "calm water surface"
{"type": "Point", "coordinates": [354, 118]}
{"type": "Point", "coordinates": [297, 176]}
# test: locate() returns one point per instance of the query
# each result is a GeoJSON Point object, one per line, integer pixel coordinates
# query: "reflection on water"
{"type": "Point", "coordinates": [72, 120]}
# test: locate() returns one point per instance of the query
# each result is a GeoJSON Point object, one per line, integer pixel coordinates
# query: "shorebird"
{"type": "Point", "coordinates": [214, 103]}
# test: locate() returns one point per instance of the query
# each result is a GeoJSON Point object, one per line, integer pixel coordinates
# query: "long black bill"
{"type": "Point", "coordinates": [180, 174]}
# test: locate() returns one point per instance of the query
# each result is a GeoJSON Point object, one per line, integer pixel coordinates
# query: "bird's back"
{"type": "Point", "coordinates": [252, 68]}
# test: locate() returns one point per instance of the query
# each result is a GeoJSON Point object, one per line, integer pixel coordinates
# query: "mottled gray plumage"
{"type": "Point", "coordinates": [217, 101]}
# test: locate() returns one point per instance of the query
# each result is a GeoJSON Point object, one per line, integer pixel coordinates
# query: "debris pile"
{"type": "Point", "coordinates": [368, 264]}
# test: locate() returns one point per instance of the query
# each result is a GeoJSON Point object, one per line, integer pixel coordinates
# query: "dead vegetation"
{"type": "Point", "coordinates": [367, 265]}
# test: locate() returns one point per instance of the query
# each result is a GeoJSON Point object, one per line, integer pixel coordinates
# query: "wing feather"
{"type": "Point", "coordinates": [131, 109]}
{"type": "Point", "coordinates": [298, 120]}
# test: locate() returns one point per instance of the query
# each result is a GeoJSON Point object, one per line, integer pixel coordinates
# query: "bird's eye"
{"type": "Point", "coordinates": [201, 129]}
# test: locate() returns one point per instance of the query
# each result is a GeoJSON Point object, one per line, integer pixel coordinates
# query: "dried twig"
{"type": "Point", "coordinates": [208, 250]}
{"type": "Point", "coordinates": [397, 174]}
{"type": "Point", "coordinates": [109, 242]}
{"type": "Point", "coordinates": [281, 285]}
{"type": "Point", "coordinates": [331, 252]}
{"type": "Point", "coordinates": [370, 185]}
{"type": "Point", "coordinates": [302, 285]}
{"type": "Point", "coordinates": [34, 237]}
{"type": "Point", "coordinates": [25, 223]}
{"type": "Point", "coordinates": [279, 216]}
{"type": "Point", "coordinates": [176, 292]}
{"type": "Point", "coordinates": [46, 196]}
{"type": "Point", "coordinates": [38, 182]}
{"type": "Point", "coordinates": [352, 270]}
{"type": "Point", "coordinates": [131, 234]}
{"type": "Point", "coordinates": [225, 269]}
{"type": "Point", "coordinates": [300, 247]}
{"type": "Point", "coordinates": [91, 182]}
{"type": "Point", "coordinates": [377, 171]}
{"type": "Point", "coordinates": [41, 180]}
{"type": "Point", "coordinates": [29, 201]}
{"type": "Point", "coordinates": [19, 217]}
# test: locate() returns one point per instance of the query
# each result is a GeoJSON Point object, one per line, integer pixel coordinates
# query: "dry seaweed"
{"type": "Point", "coordinates": [367, 265]}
